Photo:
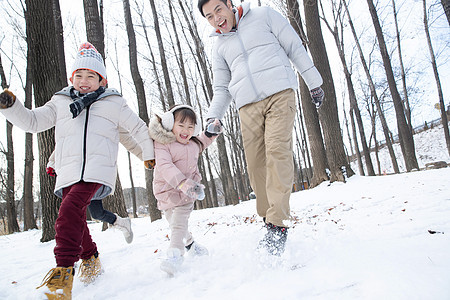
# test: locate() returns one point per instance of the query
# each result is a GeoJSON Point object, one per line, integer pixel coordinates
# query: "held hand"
{"type": "Point", "coordinates": [7, 99]}
{"type": "Point", "coordinates": [317, 96]}
{"type": "Point", "coordinates": [192, 189]}
{"type": "Point", "coordinates": [199, 191]}
{"type": "Point", "coordinates": [213, 127]}
{"type": "Point", "coordinates": [150, 164]}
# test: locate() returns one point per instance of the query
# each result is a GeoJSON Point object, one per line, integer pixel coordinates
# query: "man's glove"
{"type": "Point", "coordinates": [150, 164]}
{"type": "Point", "coordinates": [317, 96]}
{"type": "Point", "coordinates": [51, 171]}
{"type": "Point", "coordinates": [192, 189]}
{"type": "Point", "coordinates": [213, 127]}
{"type": "Point", "coordinates": [7, 99]}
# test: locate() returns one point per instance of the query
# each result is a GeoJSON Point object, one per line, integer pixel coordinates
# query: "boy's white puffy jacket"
{"type": "Point", "coordinates": [86, 146]}
{"type": "Point", "coordinates": [254, 62]}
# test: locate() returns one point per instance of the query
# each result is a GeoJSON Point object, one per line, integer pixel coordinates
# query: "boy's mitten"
{"type": "Point", "coordinates": [51, 171]}
{"type": "Point", "coordinates": [192, 189]}
{"type": "Point", "coordinates": [317, 96]}
{"type": "Point", "coordinates": [150, 164]}
{"type": "Point", "coordinates": [7, 99]}
{"type": "Point", "coordinates": [213, 127]}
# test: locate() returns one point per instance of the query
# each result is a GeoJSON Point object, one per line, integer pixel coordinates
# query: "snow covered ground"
{"type": "Point", "coordinates": [430, 146]}
{"type": "Point", "coordinates": [384, 237]}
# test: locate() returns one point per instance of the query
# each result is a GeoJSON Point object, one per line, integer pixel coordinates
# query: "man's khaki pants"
{"type": "Point", "coordinates": [267, 133]}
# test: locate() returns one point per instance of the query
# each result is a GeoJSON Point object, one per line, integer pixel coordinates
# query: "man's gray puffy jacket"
{"type": "Point", "coordinates": [254, 62]}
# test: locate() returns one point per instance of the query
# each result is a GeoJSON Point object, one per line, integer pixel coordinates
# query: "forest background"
{"type": "Point", "coordinates": [168, 61]}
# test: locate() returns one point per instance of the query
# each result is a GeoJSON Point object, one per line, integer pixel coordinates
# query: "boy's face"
{"type": "Point", "coordinates": [183, 130]}
{"type": "Point", "coordinates": [86, 81]}
{"type": "Point", "coordinates": [219, 15]}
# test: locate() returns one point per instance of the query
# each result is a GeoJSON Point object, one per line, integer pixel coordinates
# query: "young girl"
{"type": "Point", "coordinates": [176, 181]}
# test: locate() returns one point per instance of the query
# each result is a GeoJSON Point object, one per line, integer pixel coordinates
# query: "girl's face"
{"type": "Point", "coordinates": [183, 130]}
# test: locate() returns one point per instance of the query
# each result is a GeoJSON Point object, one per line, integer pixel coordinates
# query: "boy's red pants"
{"type": "Point", "coordinates": [73, 239]}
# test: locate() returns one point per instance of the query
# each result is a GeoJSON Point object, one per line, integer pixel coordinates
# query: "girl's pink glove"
{"type": "Point", "coordinates": [192, 189]}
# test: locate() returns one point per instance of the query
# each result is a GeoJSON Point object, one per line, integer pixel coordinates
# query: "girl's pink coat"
{"type": "Point", "coordinates": [175, 162]}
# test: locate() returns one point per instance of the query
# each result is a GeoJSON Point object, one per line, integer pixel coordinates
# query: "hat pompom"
{"type": "Point", "coordinates": [89, 58]}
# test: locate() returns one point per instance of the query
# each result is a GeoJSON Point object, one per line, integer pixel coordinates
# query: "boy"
{"type": "Point", "coordinates": [86, 117]}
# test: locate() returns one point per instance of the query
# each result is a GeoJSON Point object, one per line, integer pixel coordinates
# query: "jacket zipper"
{"type": "Point", "coordinates": [84, 142]}
{"type": "Point", "coordinates": [247, 66]}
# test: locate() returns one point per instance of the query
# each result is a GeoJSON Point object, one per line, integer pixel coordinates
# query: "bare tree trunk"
{"type": "Point", "coordinates": [240, 156]}
{"type": "Point", "coordinates": [11, 213]}
{"type": "Point", "coordinates": [446, 7]}
{"type": "Point", "coordinates": [28, 201]}
{"type": "Point", "coordinates": [373, 93]}
{"type": "Point", "coordinates": [180, 58]}
{"type": "Point", "coordinates": [94, 26]}
{"type": "Point", "coordinates": [406, 138]}
{"type": "Point", "coordinates": [199, 50]}
{"type": "Point", "coordinates": [47, 80]}
{"type": "Point", "coordinates": [13, 226]}
{"type": "Point", "coordinates": [155, 213]}
{"type": "Point", "coordinates": [374, 134]}
{"type": "Point", "coordinates": [405, 101]}
{"type": "Point", "coordinates": [211, 185]}
{"type": "Point", "coordinates": [355, 138]}
{"type": "Point", "coordinates": [339, 41]}
{"type": "Point", "coordinates": [300, 142]}
{"type": "Point", "coordinates": [152, 60]}
{"type": "Point", "coordinates": [232, 126]}
{"type": "Point", "coordinates": [315, 138]}
{"type": "Point", "coordinates": [305, 148]}
{"type": "Point", "coordinates": [328, 113]}
{"type": "Point", "coordinates": [350, 140]}
{"type": "Point", "coordinates": [60, 40]}
{"type": "Point", "coordinates": [214, 200]}
{"type": "Point", "coordinates": [436, 78]}
{"type": "Point", "coordinates": [162, 55]}
{"type": "Point", "coordinates": [226, 175]}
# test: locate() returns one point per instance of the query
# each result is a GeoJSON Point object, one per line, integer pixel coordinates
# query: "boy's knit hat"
{"type": "Point", "coordinates": [89, 58]}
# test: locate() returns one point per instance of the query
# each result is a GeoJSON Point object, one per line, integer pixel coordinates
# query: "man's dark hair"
{"type": "Point", "coordinates": [203, 2]}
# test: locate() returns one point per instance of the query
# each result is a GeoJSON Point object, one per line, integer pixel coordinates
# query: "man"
{"type": "Point", "coordinates": [252, 64]}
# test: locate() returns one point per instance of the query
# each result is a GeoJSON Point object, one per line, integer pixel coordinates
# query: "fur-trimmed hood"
{"type": "Point", "coordinates": [159, 133]}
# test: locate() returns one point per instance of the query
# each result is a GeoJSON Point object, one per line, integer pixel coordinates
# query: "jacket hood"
{"type": "Point", "coordinates": [158, 133]}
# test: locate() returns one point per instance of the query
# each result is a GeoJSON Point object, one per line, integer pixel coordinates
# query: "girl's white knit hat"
{"type": "Point", "coordinates": [89, 58]}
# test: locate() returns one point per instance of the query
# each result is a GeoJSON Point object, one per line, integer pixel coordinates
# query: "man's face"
{"type": "Point", "coordinates": [219, 15]}
{"type": "Point", "coordinates": [86, 81]}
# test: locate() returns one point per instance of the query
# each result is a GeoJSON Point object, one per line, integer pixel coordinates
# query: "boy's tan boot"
{"type": "Point", "coordinates": [59, 282]}
{"type": "Point", "coordinates": [90, 269]}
